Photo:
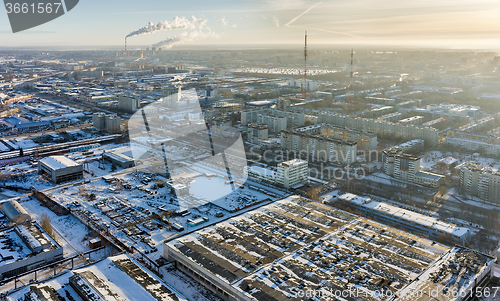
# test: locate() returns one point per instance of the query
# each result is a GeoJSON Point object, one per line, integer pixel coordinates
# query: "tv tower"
{"type": "Point", "coordinates": [304, 88]}
{"type": "Point", "coordinates": [351, 86]}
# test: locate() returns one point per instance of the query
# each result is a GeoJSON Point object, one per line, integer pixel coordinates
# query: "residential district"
{"type": "Point", "coordinates": [245, 175]}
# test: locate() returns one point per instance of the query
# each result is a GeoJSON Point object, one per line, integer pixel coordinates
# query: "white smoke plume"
{"type": "Point", "coordinates": [276, 21]}
{"type": "Point", "coordinates": [176, 23]}
{"type": "Point", "coordinates": [184, 37]}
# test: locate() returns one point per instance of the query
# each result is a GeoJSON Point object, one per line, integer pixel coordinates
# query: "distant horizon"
{"type": "Point", "coordinates": [464, 24]}
{"type": "Point", "coordinates": [249, 47]}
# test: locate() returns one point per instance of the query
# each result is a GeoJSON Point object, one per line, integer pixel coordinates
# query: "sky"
{"type": "Point", "coordinates": [469, 24]}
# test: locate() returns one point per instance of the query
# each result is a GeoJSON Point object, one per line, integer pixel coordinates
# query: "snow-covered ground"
{"type": "Point", "coordinates": [430, 159]}
{"type": "Point", "coordinates": [71, 232]}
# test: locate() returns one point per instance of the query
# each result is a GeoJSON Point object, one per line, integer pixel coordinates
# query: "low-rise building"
{"type": "Point", "coordinates": [412, 221]}
{"type": "Point", "coordinates": [60, 169]}
{"type": "Point", "coordinates": [283, 250]}
{"type": "Point", "coordinates": [448, 163]}
{"type": "Point", "coordinates": [26, 247]}
{"type": "Point", "coordinates": [429, 179]}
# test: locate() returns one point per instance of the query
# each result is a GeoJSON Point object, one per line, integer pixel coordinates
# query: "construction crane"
{"type": "Point", "coordinates": [350, 98]}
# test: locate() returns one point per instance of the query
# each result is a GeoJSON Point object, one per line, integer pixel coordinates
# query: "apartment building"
{"type": "Point", "coordinates": [292, 173]}
{"type": "Point", "coordinates": [319, 147]}
{"type": "Point", "coordinates": [257, 132]}
{"type": "Point", "coordinates": [406, 166]}
{"type": "Point", "coordinates": [289, 174]}
{"type": "Point", "coordinates": [479, 181]}
{"type": "Point", "coordinates": [276, 120]}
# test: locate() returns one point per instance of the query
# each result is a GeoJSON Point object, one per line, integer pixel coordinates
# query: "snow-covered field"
{"type": "Point", "coordinates": [71, 233]}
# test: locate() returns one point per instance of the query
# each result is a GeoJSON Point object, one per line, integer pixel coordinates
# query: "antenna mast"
{"type": "Point", "coordinates": [351, 86]}
{"type": "Point", "coordinates": [304, 89]}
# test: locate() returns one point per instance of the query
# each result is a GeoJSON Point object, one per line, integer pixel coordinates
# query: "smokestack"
{"type": "Point", "coordinates": [125, 44]}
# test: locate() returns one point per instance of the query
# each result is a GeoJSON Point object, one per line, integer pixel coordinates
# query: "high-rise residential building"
{"type": "Point", "coordinates": [128, 104]}
{"type": "Point", "coordinates": [469, 176]}
{"type": "Point", "coordinates": [106, 123]}
{"type": "Point", "coordinates": [292, 173]}
{"type": "Point", "coordinates": [481, 182]}
{"type": "Point", "coordinates": [406, 166]}
{"type": "Point", "coordinates": [489, 185]}
{"type": "Point", "coordinates": [257, 132]}
{"type": "Point", "coordinates": [276, 120]}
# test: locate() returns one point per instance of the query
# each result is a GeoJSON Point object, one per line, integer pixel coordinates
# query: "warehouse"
{"type": "Point", "coordinates": [60, 169]}
{"type": "Point", "coordinates": [116, 278]}
{"type": "Point", "coordinates": [15, 212]}
{"type": "Point", "coordinates": [26, 247]}
{"type": "Point", "coordinates": [119, 157]}
{"type": "Point", "coordinates": [412, 221]}
{"type": "Point", "coordinates": [295, 245]}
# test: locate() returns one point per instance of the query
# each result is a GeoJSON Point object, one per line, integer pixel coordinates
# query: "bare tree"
{"type": "Point", "coordinates": [47, 225]}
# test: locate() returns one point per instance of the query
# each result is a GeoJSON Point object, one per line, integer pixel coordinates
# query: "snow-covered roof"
{"type": "Point", "coordinates": [448, 160]}
{"type": "Point", "coordinates": [403, 214]}
{"type": "Point", "coordinates": [297, 241]}
{"type": "Point", "coordinates": [450, 278]}
{"type": "Point", "coordinates": [58, 162]}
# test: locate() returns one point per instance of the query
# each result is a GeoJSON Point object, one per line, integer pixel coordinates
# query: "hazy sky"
{"type": "Point", "coordinates": [458, 24]}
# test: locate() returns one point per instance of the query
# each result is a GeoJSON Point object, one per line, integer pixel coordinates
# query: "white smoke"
{"type": "Point", "coordinates": [176, 23]}
{"type": "Point", "coordinates": [276, 21]}
{"type": "Point", "coordinates": [184, 37]}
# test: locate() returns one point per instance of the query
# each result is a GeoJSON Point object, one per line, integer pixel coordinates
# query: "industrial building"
{"type": "Point", "coordinates": [15, 212]}
{"type": "Point", "coordinates": [295, 245]}
{"type": "Point", "coordinates": [414, 222]}
{"type": "Point", "coordinates": [115, 278]}
{"type": "Point", "coordinates": [121, 157]}
{"type": "Point", "coordinates": [60, 169]}
{"type": "Point", "coordinates": [26, 247]}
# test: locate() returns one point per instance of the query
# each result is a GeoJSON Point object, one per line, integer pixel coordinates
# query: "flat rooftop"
{"type": "Point", "coordinates": [296, 243]}
{"type": "Point", "coordinates": [404, 214]}
{"type": "Point", "coordinates": [117, 278]}
{"type": "Point", "coordinates": [449, 277]}
{"type": "Point", "coordinates": [58, 162]}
